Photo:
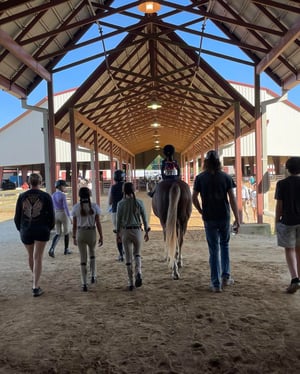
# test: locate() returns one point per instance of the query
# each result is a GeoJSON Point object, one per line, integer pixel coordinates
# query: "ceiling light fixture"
{"type": "Point", "coordinates": [154, 104]}
{"type": "Point", "coordinates": [156, 141]}
{"type": "Point", "coordinates": [155, 124]}
{"type": "Point", "coordinates": [149, 7]}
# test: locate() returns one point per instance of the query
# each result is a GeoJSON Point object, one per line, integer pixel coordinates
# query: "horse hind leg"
{"type": "Point", "coordinates": [166, 258]}
{"type": "Point", "coordinates": [180, 258]}
{"type": "Point", "coordinates": [176, 266]}
{"type": "Point", "coordinates": [175, 272]}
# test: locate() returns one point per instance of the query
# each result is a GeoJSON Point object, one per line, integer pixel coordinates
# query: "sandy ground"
{"type": "Point", "coordinates": [165, 326]}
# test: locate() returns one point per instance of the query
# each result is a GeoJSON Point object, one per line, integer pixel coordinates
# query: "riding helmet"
{"type": "Point", "coordinates": [169, 150]}
{"type": "Point", "coordinates": [119, 175]}
{"type": "Point", "coordinates": [60, 183]}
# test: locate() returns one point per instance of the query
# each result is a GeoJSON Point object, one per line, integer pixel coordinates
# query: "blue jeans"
{"type": "Point", "coordinates": [218, 236]}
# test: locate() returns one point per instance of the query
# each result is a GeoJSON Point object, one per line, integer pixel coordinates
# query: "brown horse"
{"type": "Point", "coordinates": [172, 204]}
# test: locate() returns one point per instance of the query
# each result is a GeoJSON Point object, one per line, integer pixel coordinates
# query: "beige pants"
{"type": "Point", "coordinates": [62, 223]}
{"type": "Point", "coordinates": [132, 243]}
{"type": "Point", "coordinates": [86, 241]}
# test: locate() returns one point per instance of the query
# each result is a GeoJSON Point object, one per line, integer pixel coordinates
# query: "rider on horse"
{"type": "Point", "coordinates": [169, 167]}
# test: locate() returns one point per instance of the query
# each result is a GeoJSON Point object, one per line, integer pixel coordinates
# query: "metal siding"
{"type": "Point", "coordinates": [22, 142]}
{"type": "Point", "coordinates": [283, 127]}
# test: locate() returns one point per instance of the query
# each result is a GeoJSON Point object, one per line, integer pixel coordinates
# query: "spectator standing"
{"type": "Point", "coordinates": [287, 220]}
{"type": "Point", "coordinates": [114, 196]}
{"type": "Point", "coordinates": [130, 212]}
{"type": "Point", "coordinates": [62, 217]}
{"type": "Point", "coordinates": [215, 187]}
{"type": "Point", "coordinates": [86, 219]}
{"type": "Point", "coordinates": [245, 200]}
{"type": "Point", "coordinates": [253, 201]}
{"type": "Point", "coordinates": [34, 219]}
{"type": "Point", "coordinates": [25, 186]}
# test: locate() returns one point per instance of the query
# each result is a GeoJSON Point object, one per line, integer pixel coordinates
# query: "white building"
{"type": "Point", "coordinates": [281, 135]}
{"type": "Point", "coordinates": [22, 140]}
{"type": "Point", "coordinates": [22, 143]}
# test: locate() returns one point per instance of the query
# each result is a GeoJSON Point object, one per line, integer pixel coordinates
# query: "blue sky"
{"type": "Point", "coordinates": [10, 107]}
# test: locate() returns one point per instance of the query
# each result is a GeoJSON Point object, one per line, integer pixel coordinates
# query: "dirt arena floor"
{"type": "Point", "coordinates": [164, 327]}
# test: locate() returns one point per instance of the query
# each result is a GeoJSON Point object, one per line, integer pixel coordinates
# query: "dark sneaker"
{"type": "Point", "coordinates": [150, 194]}
{"type": "Point", "coordinates": [293, 287]}
{"type": "Point", "coordinates": [67, 252]}
{"type": "Point", "coordinates": [130, 288]}
{"type": "Point", "coordinates": [121, 258]}
{"type": "Point", "coordinates": [227, 282]}
{"type": "Point", "coordinates": [51, 252]}
{"type": "Point", "coordinates": [84, 288]}
{"type": "Point", "coordinates": [37, 292]}
{"type": "Point", "coordinates": [93, 280]}
{"type": "Point", "coordinates": [138, 280]}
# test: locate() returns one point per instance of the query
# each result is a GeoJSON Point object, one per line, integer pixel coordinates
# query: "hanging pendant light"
{"type": "Point", "coordinates": [149, 7]}
{"type": "Point", "coordinates": [154, 104]}
{"type": "Point", "coordinates": [155, 124]}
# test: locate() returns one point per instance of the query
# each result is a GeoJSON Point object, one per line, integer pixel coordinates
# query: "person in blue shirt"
{"type": "Point", "coordinates": [62, 217]}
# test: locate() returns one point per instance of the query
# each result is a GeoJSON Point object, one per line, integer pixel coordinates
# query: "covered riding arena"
{"type": "Point", "coordinates": [162, 55]}
{"type": "Point", "coordinates": [166, 326]}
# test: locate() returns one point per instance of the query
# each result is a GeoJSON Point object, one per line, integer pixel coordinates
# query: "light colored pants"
{"type": "Point", "coordinates": [114, 220]}
{"type": "Point", "coordinates": [86, 241]}
{"type": "Point", "coordinates": [62, 222]}
{"type": "Point", "coordinates": [132, 243]}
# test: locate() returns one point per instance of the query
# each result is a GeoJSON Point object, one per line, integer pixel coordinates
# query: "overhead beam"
{"type": "Point", "coordinates": [14, 48]}
{"type": "Point", "coordinates": [12, 88]}
{"type": "Point", "coordinates": [276, 4]}
{"type": "Point", "coordinates": [101, 132]}
{"type": "Point", "coordinates": [211, 128]}
{"type": "Point", "coordinates": [292, 34]}
{"type": "Point", "coordinates": [292, 81]}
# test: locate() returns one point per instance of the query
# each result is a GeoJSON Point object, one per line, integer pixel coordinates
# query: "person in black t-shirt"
{"type": "Point", "coordinates": [216, 189]}
{"type": "Point", "coordinates": [114, 196]}
{"type": "Point", "coordinates": [287, 220]}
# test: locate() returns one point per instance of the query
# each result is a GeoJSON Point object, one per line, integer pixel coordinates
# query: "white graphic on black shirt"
{"type": "Point", "coordinates": [32, 207]}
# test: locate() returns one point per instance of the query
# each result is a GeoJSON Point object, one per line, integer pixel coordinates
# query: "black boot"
{"type": "Point", "coordinates": [67, 251]}
{"type": "Point", "coordinates": [121, 253]}
{"type": "Point", "coordinates": [53, 245]}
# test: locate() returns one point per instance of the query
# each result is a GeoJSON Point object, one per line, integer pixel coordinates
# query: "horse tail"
{"type": "Point", "coordinates": [171, 223]}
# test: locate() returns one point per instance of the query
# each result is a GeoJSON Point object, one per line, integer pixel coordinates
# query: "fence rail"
{"type": "Point", "coordinates": [8, 199]}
